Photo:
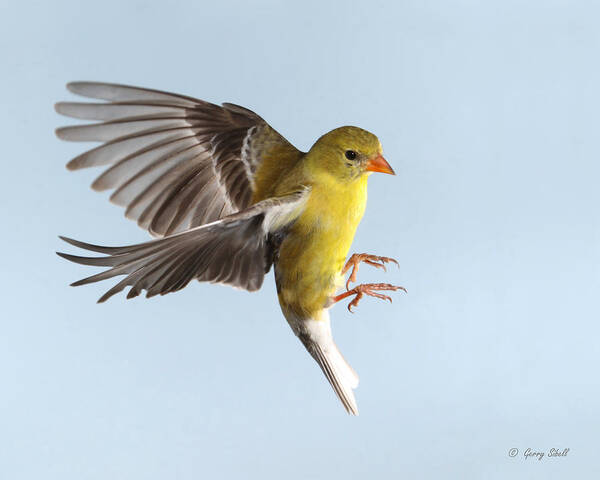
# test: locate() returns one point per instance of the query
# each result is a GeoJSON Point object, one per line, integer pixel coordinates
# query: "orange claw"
{"type": "Point", "coordinates": [357, 258]}
{"type": "Point", "coordinates": [366, 289]}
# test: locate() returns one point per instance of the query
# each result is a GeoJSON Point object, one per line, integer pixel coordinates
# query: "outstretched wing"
{"type": "Point", "coordinates": [175, 162]}
{"type": "Point", "coordinates": [235, 250]}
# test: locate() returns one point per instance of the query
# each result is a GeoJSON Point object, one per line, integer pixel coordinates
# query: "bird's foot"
{"type": "Point", "coordinates": [355, 260]}
{"type": "Point", "coordinates": [366, 289]}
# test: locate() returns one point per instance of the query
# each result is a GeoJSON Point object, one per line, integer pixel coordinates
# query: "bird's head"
{"type": "Point", "coordinates": [348, 153]}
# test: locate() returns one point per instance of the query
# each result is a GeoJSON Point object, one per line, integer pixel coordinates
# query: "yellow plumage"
{"type": "Point", "coordinates": [312, 255]}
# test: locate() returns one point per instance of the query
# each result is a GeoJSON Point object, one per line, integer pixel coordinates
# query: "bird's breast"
{"type": "Point", "coordinates": [312, 254]}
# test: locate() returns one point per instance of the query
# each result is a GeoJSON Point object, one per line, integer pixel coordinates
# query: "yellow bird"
{"type": "Point", "coordinates": [227, 197]}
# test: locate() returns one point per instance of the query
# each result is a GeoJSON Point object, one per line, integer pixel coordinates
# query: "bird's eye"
{"type": "Point", "coordinates": [350, 154]}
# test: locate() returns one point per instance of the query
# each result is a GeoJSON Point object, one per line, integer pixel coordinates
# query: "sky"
{"type": "Point", "coordinates": [489, 114]}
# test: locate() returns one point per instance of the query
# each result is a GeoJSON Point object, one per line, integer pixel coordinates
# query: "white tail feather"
{"type": "Point", "coordinates": [316, 336]}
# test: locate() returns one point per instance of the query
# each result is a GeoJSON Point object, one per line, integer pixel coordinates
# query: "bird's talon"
{"type": "Point", "coordinates": [376, 265]}
{"type": "Point", "coordinates": [369, 289]}
{"type": "Point", "coordinates": [357, 258]}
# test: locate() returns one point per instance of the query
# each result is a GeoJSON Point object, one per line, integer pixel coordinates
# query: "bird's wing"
{"type": "Point", "coordinates": [235, 250]}
{"type": "Point", "coordinates": [174, 161]}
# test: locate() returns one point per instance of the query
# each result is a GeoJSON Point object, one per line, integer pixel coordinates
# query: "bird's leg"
{"type": "Point", "coordinates": [366, 289]}
{"type": "Point", "coordinates": [355, 260]}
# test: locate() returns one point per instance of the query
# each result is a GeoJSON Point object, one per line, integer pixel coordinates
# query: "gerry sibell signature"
{"type": "Point", "coordinates": [534, 454]}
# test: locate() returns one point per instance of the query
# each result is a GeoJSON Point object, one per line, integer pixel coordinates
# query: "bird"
{"type": "Point", "coordinates": [226, 197]}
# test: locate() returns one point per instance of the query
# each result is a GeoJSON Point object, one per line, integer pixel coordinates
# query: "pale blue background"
{"type": "Point", "coordinates": [488, 111]}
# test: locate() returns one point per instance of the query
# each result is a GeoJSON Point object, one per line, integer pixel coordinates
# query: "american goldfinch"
{"type": "Point", "coordinates": [227, 197]}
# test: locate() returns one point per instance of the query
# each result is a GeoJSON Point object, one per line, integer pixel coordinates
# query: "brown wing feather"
{"type": "Point", "coordinates": [234, 251]}
{"type": "Point", "coordinates": [175, 162]}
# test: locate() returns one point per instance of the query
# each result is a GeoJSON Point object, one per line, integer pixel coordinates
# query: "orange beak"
{"type": "Point", "coordinates": [379, 164]}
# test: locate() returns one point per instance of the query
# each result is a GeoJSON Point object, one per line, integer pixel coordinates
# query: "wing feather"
{"type": "Point", "coordinates": [233, 251]}
{"type": "Point", "coordinates": [174, 162]}
{"type": "Point", "coordinates": [113, 111]}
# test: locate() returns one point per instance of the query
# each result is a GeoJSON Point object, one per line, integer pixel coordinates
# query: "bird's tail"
{"type": "Point", "coordinates": [316, 336]}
